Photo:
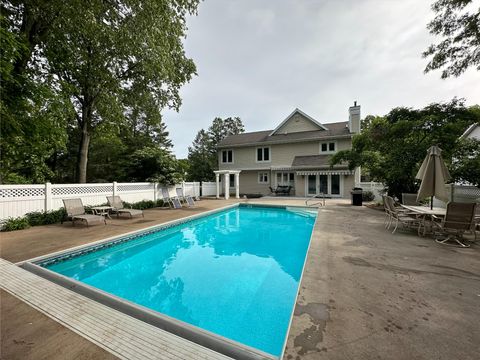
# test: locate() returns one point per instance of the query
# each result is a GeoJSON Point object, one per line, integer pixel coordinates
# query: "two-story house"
{"type": "Point", "coordinates": [295, 153]}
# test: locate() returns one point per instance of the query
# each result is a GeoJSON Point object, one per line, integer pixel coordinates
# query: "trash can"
{"type": "Point", "coordinates": [357, 194]}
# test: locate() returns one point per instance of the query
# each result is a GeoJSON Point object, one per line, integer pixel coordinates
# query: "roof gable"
{"type": "Point", "coordinates": [297, 121]}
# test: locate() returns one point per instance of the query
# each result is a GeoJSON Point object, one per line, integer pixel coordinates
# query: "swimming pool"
{"type": "Point", "coordinates": [234, 272]}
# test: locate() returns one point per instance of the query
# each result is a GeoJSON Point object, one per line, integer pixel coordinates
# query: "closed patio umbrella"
{"type": "Point", "coordinates": [433, 174]}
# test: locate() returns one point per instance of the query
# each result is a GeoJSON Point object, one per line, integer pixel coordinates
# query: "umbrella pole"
{"type": "Point", "coordinates": [434, 185]}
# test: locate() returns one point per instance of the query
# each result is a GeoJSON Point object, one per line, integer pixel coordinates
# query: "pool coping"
{"type": "Point", "coordinates": [187, 331]}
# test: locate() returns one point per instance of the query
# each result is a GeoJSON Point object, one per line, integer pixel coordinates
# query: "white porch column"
{"type": "Point", "coordinates": [217, 179]}
{"type": "Point", "coordinates": [237, 185]}
{"type": "Point", "coordinates": [227, 186]}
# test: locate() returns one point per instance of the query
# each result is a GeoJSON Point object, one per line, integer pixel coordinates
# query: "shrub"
{"type": "Point", "coordinates": [15, 224]}
{"type": "Point", "coordinates": [37, 218]}
{"type": "Point", "coordinates": [368, 195]}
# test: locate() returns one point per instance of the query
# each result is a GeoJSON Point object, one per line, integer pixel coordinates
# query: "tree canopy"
{"type": "Point", "coordinates": [391, 148]}
{"type": "Point", "coordinates": [202, 155]}
{"type": "Point", "coordinates": [460, 28]}
{"type": "Point", "coordinates": [88, 75]}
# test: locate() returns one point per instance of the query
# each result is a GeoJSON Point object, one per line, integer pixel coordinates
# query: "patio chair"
{"type": "Point", "coordinates": [401, 216]}
{"type": "Point", "coordinates": [409, 199]}
{"type": "Point", "coordinates": [187, 199]}
{"type": "Point", "coordinates": [176, 204]}
{"type": "Point", "coordinates": [166, 196]}
{"type": "Point", "coordinates": [117, 206]}
{"type": "Point", "coordinates": [76, 211]}
{"type": "Point", "coordinates": [460, 218]}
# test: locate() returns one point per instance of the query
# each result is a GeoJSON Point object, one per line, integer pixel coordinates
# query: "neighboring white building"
{"type": "Point", "coordinates": [473, 132]}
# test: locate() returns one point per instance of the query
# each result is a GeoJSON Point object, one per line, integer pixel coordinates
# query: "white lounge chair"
{"type": "Point", "coordinates": [187, 199]}
{"type": "Point", "coordinates": [76, 211]}
{"type": "Point", "coordinates": [117, 206]}
{"type": "Point", "coordinates": [166, 196]}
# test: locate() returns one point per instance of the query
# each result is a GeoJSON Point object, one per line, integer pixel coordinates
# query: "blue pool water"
{"type": "Point", "coordinates": [235, 273]}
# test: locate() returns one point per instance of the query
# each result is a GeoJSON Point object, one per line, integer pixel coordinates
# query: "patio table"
{"type": "Point", "coordinates": [426, 213]}
{"type": "Point", "coordinates": [102, 210]}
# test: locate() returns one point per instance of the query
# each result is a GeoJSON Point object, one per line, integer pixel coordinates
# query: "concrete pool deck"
{"type": "Point", "coordinates": [365, 293]}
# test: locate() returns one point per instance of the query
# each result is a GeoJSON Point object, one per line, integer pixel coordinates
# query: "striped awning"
{"type": "Point", "coordinates": [277, 168]}
{"type": "Point", "coordinates": [324, 172]}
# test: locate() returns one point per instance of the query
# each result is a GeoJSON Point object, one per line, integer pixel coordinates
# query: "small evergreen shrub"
{"type": "Point", "coordinates": [368, 196]}
{"type": "Point", "coordinates": [37, 218]}
{"type": "Point", "coordinates": [13, 224]}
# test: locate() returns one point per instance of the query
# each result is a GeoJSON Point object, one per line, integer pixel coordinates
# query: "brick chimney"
{"type": "Point", "coordinates": [354, 118]}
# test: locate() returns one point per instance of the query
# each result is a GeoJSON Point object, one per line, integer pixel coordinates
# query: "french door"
{"type": "Point", "coordinates": [326, 184]}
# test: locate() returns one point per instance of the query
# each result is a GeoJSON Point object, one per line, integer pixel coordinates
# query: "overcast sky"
{"type": "Point", "coordinates": [259, 60]}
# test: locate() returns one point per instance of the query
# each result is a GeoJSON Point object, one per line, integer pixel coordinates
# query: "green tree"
{"type": "Point", "coordinates": [201, 161]}
{"type": "Point", "coordinates": [460, 30]}
{"type": "Point", "coordinates": [156, 165]}
{"type": "Point", "coordinates": [123, 56]}
{"type": "Point", "coordinates": [391, 148]}
{"type": "Point", "coordinates": [80, 74]}
{"type": "Point", "coordinates": [466, 162]}
{"type": "Point", "coordinates": [33, 112]}
{"type": "Point", "coordinates": [202, 155]}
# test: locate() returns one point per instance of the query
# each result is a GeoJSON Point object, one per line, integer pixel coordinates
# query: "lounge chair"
{"type": "Point", "coordinates": [409, 199]}
{"type": "Point", "coordinates": [117, 206]}
{"type": "Point", "coordinates": [176, 204]}
{"type": "Point", "coordinates": [76, 211]}
{"type": "Point", "coordinates": [166, 196]}
{"type": "Point", "coordinates": [401, 216]}
{"type": "Point", "coordinates": [187, 199]}
{"type": "Point", "coordinates": [460, 218]}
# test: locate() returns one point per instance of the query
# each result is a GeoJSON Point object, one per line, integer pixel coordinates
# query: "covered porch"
{"type": "Point", "coordinates": [226, 182]}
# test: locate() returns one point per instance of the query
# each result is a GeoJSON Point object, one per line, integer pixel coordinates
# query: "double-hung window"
{"type": "Point", "coordinates": [263, 154]}
{"type": "Point", "coordinates": [263, 177]}
{"type": "Point", "coordinates": [328, 147]}
{"type": "Point", "coordinates": [227, 157]}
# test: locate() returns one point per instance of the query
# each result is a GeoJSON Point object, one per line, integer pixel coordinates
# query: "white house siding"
{"type": "Point", "coordinates": [245, 158]}
{"type": "Point", "coordinates": [297, 123]}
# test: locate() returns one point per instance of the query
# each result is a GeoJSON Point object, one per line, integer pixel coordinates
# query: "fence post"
{"type": "Point", "coordinates": [48, 196]}
{"type": "Point", "coordinates": [155, 192]}
{"type": "Point", "coordinates": [114, 188]}
{"type": "Point", "coordinates": [183, 188]}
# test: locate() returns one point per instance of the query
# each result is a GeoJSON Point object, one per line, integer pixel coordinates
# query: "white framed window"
{"type": "Point", "coordinates": [226, 157]}
{"type": "Point", "coordinates": [263, 154]}
{"type": "Point", "coordinates": [263, 177]}
{"type": "Point", "coordinates": [328, 147]}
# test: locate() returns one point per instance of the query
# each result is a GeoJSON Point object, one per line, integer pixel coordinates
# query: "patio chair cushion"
{"type": "Point", "coordinates": [88, 218]}
{"type": "Point", "coordinates": [132, 212]}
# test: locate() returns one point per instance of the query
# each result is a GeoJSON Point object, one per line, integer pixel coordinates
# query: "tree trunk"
{"type": "Point", "coordinates": [82, 158]}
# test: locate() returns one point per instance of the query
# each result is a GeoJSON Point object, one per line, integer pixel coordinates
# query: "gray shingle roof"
{"type": "Point", "coordinates": [316, 161]}
{"type": "Point", "coordinates": [262, 137]}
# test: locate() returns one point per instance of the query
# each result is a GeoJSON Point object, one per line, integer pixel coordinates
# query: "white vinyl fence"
{"type": "Point", "coordinates": [459, 193]}
{"type": "Point", "coordinates": [18, 200]}
{"type": "Point", "coordinates": [209, 188]}
{"type": "Point", "coordinates": [375, 187]}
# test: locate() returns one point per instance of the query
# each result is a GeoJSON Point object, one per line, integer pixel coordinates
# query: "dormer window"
{"type": "Point", "coordinates": [227, 157]}
{"type": "Point", "coordinates": [263, 154]}
{"type": "Point", "coordinates": [328, 147]}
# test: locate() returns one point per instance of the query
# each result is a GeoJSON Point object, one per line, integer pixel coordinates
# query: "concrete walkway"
{"type": "Point", "coordinates": [368, 294]}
